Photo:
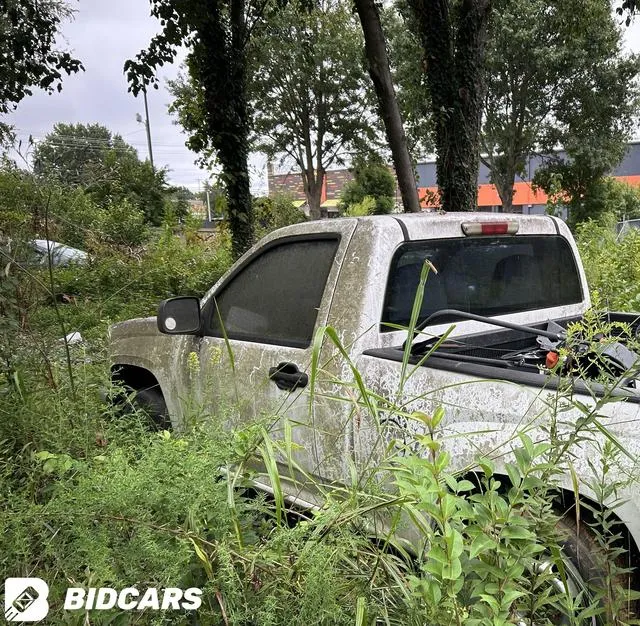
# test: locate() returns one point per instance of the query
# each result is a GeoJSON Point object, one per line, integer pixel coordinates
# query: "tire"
{"type": "Point", "coordinates": [585, 566]}
{"type": "Point", "coordinates": [152, 404]}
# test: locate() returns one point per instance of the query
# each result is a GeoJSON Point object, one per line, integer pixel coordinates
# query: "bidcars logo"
{"type": "Point", "coordinates": [131, 598]}
{"type": "Point", "coordinates": [25, 599]}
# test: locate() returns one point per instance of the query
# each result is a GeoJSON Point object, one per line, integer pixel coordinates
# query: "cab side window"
{"type": "Point", "coordinates": [275, 297]}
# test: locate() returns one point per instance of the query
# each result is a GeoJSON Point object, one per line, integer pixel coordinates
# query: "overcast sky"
{"type": "Point", "coordinates": [103, 35]}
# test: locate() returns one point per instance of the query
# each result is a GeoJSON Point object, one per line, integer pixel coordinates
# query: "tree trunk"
{"type": "Point", "coordinates": [454, 42]}
{"type": "Point", "coordinates": [505, 191]}
{"type": "Point", "coordinates": [239, 204]}
{"type": "Point", "coordinates": [313, 192]}
{"type": "Point", "coordinates": [503, 175]}
{"type": "Point", "coordinates": [221, 65]}
{"type": "Point", "coordinates": [376, 50]}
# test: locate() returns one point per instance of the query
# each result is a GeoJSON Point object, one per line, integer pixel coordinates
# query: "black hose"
{"type": "Point", "coordinates": [487, 320]}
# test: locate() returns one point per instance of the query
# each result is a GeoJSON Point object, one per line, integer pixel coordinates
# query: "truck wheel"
{"type": "Point", "coordinates": [152, 404]}
{"type": "Point", "coordinates": [585, 566]}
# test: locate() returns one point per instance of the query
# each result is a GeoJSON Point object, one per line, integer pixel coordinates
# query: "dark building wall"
{"type": "Point", "coordinates": [335, 182]}
{"type": "Point", "coordinates": [630, 166]}
{"type": "Point", "coordinates": [291, 183]}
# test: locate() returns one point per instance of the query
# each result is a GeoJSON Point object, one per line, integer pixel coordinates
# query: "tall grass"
{"type": "Point", "coordinates": [91, 498]}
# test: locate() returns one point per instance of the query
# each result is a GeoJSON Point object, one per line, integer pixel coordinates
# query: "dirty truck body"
{"type": "Point", "coordinates": [247, 351]}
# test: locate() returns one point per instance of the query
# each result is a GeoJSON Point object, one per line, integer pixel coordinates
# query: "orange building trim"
{"type": "Point", "coordinates": [488, 194]}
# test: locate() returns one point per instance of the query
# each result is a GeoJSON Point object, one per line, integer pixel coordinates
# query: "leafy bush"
{"type": "Point", "coordinates": [612, 265]}
{"type": "Point", "coordinates": [274, 213]}
{"type": "Point", "coordinates": [371, 179]}
{"type": "Point", "coordinates": [359, 209]}
{"type": "Point", "coordinates": [605, 200]}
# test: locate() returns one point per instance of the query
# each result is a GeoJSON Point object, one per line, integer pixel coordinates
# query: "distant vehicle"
{"type": "Point", "coordinates": [622, 228]}
{"type": "Point", "coordinates": [61, 255]}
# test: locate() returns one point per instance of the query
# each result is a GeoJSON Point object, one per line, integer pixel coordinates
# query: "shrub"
{"type": "Point", "coordinates": [274, 213]}
{"type": "Point", "coordinates": [371, 179]}
{"type": "Point", "coordinates": [612, 265]}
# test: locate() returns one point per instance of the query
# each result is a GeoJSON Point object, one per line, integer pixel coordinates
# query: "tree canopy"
{"type": "Point", "coordinates": [29, 56]}
{"type": "Point", "coordinates": [310, 98]}
{"type": "Point", "coordinates": [91, 157]}
{"type": "Point", "coordinates": [310, 95]}
{"type": "Point", "coordinates": [556, 75]}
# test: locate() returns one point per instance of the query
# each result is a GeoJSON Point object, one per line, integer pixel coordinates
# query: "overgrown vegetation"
{"type": "Point", "coordinates": [413, 534]}
{"type": "Point", "coordinates": [373, 182]}
{"type": "Point", "coordinates": [612, 263]}
{"type": "Point", "coordinates": [92, 498]}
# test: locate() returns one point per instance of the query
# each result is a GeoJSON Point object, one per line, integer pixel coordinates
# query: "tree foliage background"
{"type": "Point", "coordinates": [105, 166]}
{"type": "Point", "coordinates": [310, 99]}
{"type": "Point", "coordinates": [557, 76]}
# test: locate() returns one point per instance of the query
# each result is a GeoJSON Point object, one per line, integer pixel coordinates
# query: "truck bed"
{"type": "Point", "coordinates": [489, 356]}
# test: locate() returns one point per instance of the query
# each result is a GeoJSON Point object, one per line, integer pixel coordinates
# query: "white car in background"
{"type": "Point", "coordinates": [61, 255]}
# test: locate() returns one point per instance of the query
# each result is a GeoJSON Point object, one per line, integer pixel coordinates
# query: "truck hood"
{"type": "Point", "coordinates": [138, 327]}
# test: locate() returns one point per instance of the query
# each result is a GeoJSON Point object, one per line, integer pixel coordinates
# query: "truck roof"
{"type": "Point", "coordinates": [430, 225]}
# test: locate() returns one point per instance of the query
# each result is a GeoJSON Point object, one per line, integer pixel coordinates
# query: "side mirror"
{"type": "Point", "coordinates": [179, 316]}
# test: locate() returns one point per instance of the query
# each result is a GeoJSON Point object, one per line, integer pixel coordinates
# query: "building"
{"type": "Point", "coordinates": [290, 183]}
{"type": "Point", "coordinates": [525, 200]}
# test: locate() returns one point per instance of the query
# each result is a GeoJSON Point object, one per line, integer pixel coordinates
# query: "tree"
{"type": "Point", "coordinates": [74, 154]}
{"type": "Point", "coordinates": [218, 33]}
{"type": "Point", "coordinates": [380, 72]}
{"type": "Point", "coordinates": [276, 212]}
{"type": "Point", "coordinates": [555, 76]}
{"type": "Point", "coordinates": [307, 88]}
{"type": "Point", "coordinates": [579, 181]}
{"type": "Point", "coordinates": [28, 52]}
{"type": "Point", "coordinates": [371, 179]}
{"type": "Point", "coordinates": [613, 201]}
{"type": "Point", "coordinates": [104, 165]}
{"type": "Point", "coordinates": [310, 95]}
{"type": "Point", "coordinates": [453, 36]}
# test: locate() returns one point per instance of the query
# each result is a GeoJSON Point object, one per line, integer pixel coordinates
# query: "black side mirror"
{"type": "Point", "coordinates": [179, 316]}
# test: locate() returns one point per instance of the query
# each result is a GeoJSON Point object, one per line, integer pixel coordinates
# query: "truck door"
{"type": "Point", "coordinates": [259, 326]}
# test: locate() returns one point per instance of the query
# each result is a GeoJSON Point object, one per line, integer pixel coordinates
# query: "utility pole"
{"type": "Point", "coordinates": [208, 206]}
{"type": "Point", "coordinates": [146, 125]}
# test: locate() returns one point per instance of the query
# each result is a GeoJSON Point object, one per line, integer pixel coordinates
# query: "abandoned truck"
{"type": "Point", "coordinates": [492, 322]}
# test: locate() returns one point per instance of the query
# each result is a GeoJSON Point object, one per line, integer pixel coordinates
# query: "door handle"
{"type": "Point", "coordinates": [288, 377]}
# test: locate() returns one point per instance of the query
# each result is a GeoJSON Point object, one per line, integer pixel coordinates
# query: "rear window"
{"type": "Point", "coordinates": [482, 275]}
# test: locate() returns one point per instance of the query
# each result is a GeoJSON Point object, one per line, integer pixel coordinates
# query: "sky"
{"type": "Point", "coordinates": [103, 35]}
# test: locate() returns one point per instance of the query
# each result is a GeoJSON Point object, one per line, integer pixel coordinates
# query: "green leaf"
{"type": "Point", "coordinates": [513, 473]}
{"type": "Point", "coordinates": [482, 543]}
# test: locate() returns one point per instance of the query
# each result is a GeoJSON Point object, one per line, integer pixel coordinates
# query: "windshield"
{"type": "Point", "coordinates": [484, 275]}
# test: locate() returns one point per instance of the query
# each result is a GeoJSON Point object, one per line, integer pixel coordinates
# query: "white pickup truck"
{"type": "Point", "coordinates": [253, 336]}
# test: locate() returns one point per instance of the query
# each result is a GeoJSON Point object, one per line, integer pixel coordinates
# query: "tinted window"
{"type": "Point", "coordinates": [275, 298]}
{"type": "Point", "coordinates": [483, 275]}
